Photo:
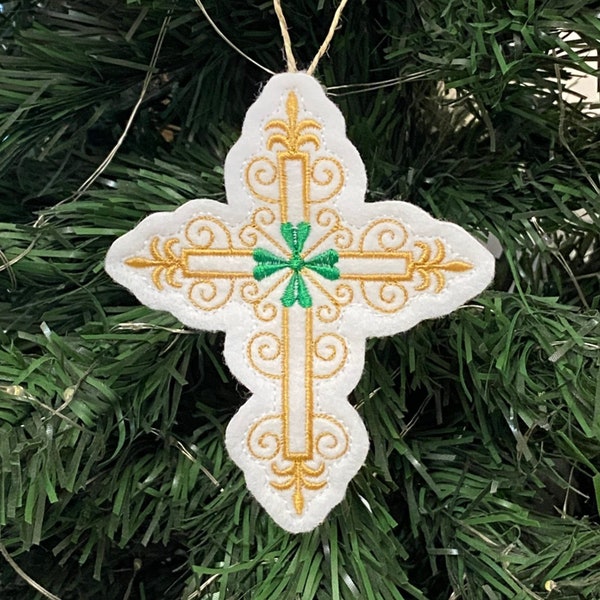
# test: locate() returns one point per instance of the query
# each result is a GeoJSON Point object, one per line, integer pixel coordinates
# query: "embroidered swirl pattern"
{"type": "Point", "coordinates": [296, 264]}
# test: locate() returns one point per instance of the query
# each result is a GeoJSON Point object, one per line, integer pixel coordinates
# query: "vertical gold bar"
{"type": "Point", "coordinates": [308, 383]}
{"type": "Point", "coordinates": [293, 191]}
{"type": "Point", "coordinates": [297, 382]}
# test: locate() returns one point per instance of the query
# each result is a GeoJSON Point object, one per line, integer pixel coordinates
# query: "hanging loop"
{"type": "Point", "coordinates": [287, 42]}
{"type": "Point", "coordinates": [285, 34]}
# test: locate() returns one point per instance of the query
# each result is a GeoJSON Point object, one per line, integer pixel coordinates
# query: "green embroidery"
{"type": "Point", "coordinates": [296, 290]}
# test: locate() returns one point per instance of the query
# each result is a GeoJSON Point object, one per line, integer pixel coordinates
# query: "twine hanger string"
{"type": "Point", "coordinates": [285, 34]}
{"type": "Point", "coordinates": [287, 43]}
{"type": "Point", "coordinates": [337, 90]}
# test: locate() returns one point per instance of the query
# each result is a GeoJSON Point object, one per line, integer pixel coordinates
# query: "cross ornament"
{"type": "Point", "coordinates": [299, 271]}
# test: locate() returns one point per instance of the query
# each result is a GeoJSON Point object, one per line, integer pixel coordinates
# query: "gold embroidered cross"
{"type": "Point", "coordinates": [298, 271]}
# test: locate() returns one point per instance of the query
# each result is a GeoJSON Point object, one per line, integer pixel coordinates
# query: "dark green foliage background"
{"type": "Point", "coordinates": [483, 478]}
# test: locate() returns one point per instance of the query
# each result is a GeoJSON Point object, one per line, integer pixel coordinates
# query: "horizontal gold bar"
{"type": "Point", "coordinates": [215, 252]}
{"type": "Point", "coordinates": [383, 277]}
{"type": "Point", "coordinates": [375, 255]}
{"type": "Point", "coordinates": [216, 274]}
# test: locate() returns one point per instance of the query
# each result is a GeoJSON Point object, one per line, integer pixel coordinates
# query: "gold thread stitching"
{"type": "Point", "coordinates": [378, 277]}
{"type": "Point", "coordinates": [208, 298]}
{"type": "Point", "coordinates": [209, 219]}
{"type": "Point", "coordinates": [250, 293]}
{"type": "Point", "coordinates": [261, 442]}
{"type": "Point", "coordinates": [267, 353]}
{"type": "Point", "coordinates": [375, 254]}
{"type": "Point", "coordinates": [282, 159]}
{"type": "Point", "coordinates": [380, 237]}
{"type": "Point", "coordinates": [332, 354]}
{"type": "Point", "coordinates": [323, 218]}
{"type": "Point", "coordinates": [330, 312]}
{"type": "Point", "coordinates": [222, 274]}
{"type": "Point", "coordinates": [297, 473]}
{"type": "Point", "coordinates": [329, 176]}
{"type": "Point", "coordinates": [308, 388]}
{"type": "Point", "coordinates": [258, 174]}
{"type": "Point", "coordinates": [169, 263]}
{"type": "Point", "coordinates": [308, 379]}
{"type": "Point", "coordinates": [324, 434]}
{"type": "Point", "coordinates": [306, 190]}
{"type": "Point", "coordinates": [393, 289]}
{"type": "Point", "coordinates": [426, 267]}
{"type": "Point", "coordinates": [292, 138]}
{"type": "Point", "coordinates": [268, 218]}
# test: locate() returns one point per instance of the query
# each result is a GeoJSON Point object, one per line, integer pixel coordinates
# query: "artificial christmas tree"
{"type": "Point", "coordinates": [482, 477]}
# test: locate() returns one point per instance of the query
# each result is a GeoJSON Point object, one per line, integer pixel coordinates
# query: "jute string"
{"type": "Point", "coordinates": [287, 43]}
{"type": "Point", "coordinates": [334, 23]}
{"type": "Point", "coordinates": [285, 34]}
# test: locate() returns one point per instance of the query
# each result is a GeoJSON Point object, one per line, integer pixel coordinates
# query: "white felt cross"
{"type": "Point", "coordinates": [298, 271]}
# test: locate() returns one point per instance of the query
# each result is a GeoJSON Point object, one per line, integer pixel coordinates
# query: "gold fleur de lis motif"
{"type": "Point", "coordinates": [429, 268]}
{"type": "Point", "coordinates": [293, 135]}
{"type": "Point", "coordinates": [165, 264]}
{"type": "Point", "coordinates": [298, 271]}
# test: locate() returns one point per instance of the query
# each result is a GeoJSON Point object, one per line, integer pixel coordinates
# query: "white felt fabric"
{"type": "Point", "coordinates": [397, 266]}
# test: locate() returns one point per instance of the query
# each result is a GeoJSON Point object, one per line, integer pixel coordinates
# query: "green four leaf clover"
{"type": "Point", "coordinates": [296, 290]}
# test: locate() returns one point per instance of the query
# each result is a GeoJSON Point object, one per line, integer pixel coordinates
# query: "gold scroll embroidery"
{"type": "Point", "coordinates": [292, 179]}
